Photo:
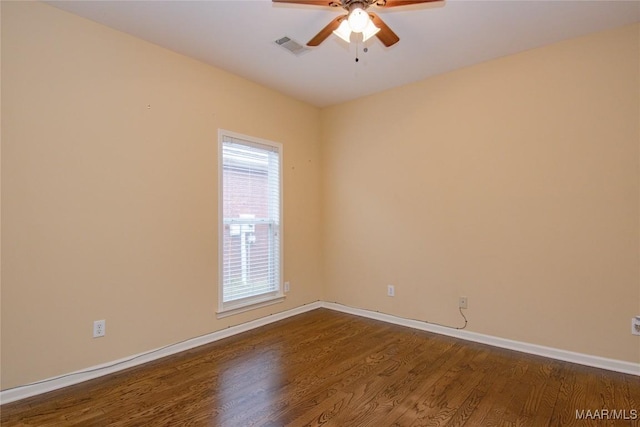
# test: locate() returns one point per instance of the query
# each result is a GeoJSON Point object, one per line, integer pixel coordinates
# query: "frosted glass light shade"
{"type": "Point", "coordinates": [369, 31]}
{"type": "Point", "coordinates": [358, 20]}
{"type": "Point", "coordinates": [343, 31]}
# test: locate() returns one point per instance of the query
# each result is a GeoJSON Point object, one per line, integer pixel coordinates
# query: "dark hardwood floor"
{"type": "Point", "coordinates": [334, 369]}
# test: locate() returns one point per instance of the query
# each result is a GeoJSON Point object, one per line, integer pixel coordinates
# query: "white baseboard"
{"type": "Point", "coordinates": [50, 384]}
{"type": "Point", "coordinates": [552, 353]}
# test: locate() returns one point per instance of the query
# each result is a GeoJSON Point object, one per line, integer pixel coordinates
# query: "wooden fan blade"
{"type": "Point", "coordinates": [394, 3]}
{"type": "Point", "coordinates": [332, 3]}
{"type": "Point", "coordinates": [326, 31]}
{"type": "Point", "coordinates": [386, 34]}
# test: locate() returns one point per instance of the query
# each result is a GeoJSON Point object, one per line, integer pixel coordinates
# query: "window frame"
{"type": "Point", "coordinates": [250, 303]}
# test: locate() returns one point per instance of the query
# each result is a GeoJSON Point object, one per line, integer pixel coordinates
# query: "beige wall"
{"type": "Point", "coordinates": [514, 182]}
{"type": "Point", "coordinates": [109, 208]}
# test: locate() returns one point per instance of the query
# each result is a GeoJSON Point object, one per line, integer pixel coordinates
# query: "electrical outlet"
{"type": "Point", "coordinates": [99, 328]}
{"type": "Point", "coordinates": [635, 325]}
{"type": "Point", "coordinates": [391, 291]}
{"type": "Point", "coordinates": [462, 302]}
{"type": "Point", "coordinates": [287, 287]}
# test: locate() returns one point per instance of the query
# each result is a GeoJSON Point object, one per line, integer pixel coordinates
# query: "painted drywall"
{"type": "Point", "coordinates": [514, 182]}
{"type": "Point", "coordinates": [109, 192]}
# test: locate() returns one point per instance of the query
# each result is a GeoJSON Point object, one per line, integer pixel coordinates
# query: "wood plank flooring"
{"type": "Point", "coordinates": [334, 369]}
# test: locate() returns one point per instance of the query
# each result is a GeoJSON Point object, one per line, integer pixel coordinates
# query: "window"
{"type": "Point", "coordinates": [250, 229]}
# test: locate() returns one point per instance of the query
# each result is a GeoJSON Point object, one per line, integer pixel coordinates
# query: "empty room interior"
{"type": "Point", "coordinates": [205, 221]}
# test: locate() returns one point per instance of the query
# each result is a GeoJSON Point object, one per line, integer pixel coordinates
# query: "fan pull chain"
{"type": "Point", "coordinates": [364, 50]}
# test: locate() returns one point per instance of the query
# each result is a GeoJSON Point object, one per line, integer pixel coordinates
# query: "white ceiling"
{"type": "Point", "coordinates": [239, 36]}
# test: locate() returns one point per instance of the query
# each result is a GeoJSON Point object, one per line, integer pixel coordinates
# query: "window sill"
{"type": "Point", "coordinates": [237, 309]}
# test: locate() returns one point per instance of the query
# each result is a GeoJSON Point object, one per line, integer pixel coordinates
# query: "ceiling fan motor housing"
{"type": "Point", "coordinates": [349, 5]}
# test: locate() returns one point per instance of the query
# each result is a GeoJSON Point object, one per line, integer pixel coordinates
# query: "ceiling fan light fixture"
{"type": "Point", "coordinates": [344, 31]}
{"type": "Point", "coordinates": [369, 31]}
{"type": "Point", "coordinates": [358, 20]}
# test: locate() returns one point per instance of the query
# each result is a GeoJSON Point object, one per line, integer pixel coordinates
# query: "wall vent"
{"type": "Point", "coordinates": [291, 45]}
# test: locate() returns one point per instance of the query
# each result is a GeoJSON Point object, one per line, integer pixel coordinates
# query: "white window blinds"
{"type": "Point", "coordinates": [251, 206]}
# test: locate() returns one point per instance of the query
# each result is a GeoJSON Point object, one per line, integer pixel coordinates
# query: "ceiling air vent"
{"type": "Point", "coordinates": [291, 45]}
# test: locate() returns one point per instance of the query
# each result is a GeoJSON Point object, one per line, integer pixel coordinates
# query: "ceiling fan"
{"type": "Point", "coordinates": [357, 20]}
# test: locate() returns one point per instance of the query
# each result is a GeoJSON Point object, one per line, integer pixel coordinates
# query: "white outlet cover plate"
{"type": "Point", "coordinates": [99, 328]}
{"type": "Point", "coordinates": [635, 322]}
